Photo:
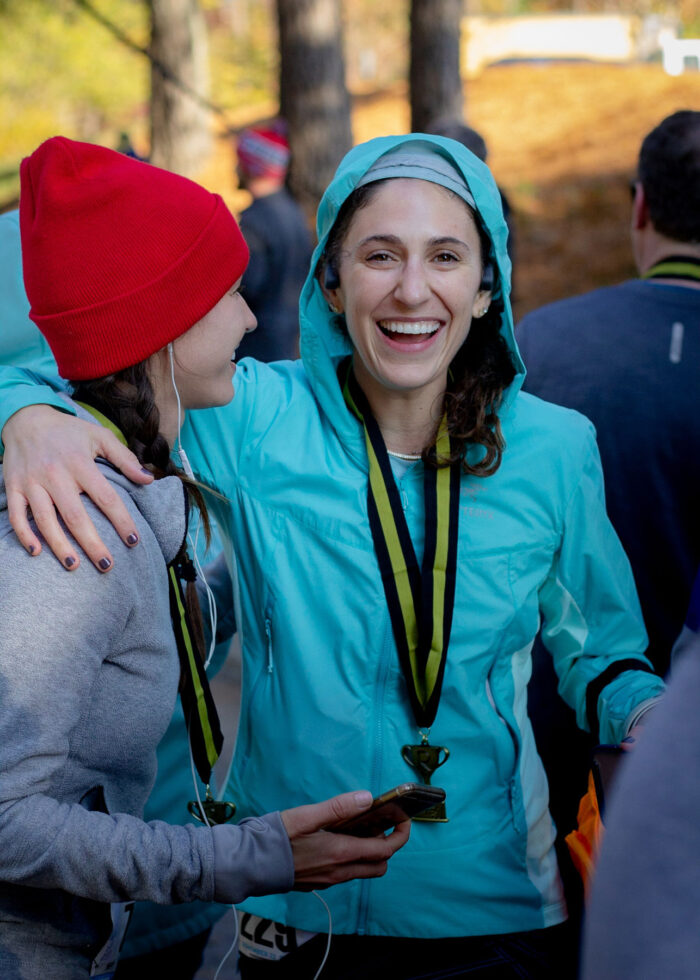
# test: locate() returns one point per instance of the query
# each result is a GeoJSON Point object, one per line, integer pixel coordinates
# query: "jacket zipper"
{"type": "Point", "coordinates": [516, 747]}
{"type": "Point", "coordinates": [380, 691]}
{"type": "Point", "coordinates": [252, 698]}
{"type": "Point", "coordinates": [268, 634]}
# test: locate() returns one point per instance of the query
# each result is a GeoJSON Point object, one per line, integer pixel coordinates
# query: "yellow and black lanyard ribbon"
{"type": "Point", "coordinates": [420, 600]}
{"type": "Point", "coordinates": [201, 716]}
{"type": "Point", "coordinates": [683, 267]}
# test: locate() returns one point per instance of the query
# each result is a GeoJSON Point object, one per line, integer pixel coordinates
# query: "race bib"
{"type": "Point", "coordinates": [263, 939]}
{"type": "Point", "coordinates": [105, 963]}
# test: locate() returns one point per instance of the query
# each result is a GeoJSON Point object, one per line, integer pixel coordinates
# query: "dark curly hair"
{"type": "Point", "coordinates": [669, 171]}
{"type": "Point", "coordinates": [480, 371]}
{"type": "Point", "coordinates": [127, 399]}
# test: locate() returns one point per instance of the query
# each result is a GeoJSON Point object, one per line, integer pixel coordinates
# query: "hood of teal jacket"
{"type": "Point", "coordinates": [323, 344]}
{"type": "Point", "coordinates": [21, 342]}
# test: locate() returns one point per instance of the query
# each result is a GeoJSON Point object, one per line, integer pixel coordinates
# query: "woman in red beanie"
{"type": "Point", "coordinates": [133, 277]}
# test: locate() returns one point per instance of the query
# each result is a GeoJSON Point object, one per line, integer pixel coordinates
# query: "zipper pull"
{"type": "Point", "coordinates": [268, 633]}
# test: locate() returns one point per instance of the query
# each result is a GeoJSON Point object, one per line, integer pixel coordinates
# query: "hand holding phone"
{"type": "Point", "coordinates": [392, 808]}
{"type": "Point", "coordinates": [321, 858]}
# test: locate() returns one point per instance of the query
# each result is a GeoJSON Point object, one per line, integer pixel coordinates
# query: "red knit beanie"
{"type": "Point", "coordinates": [119, 257]}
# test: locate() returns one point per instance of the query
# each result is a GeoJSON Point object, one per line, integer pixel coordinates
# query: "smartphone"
{"type": "Point", "coordinates": [397, 804]}
{"type": "Point", "coordinates": [604, 765]}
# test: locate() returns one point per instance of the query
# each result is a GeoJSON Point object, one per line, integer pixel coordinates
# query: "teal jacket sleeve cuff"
{"type": "Point", "coordinates": [20, 388]}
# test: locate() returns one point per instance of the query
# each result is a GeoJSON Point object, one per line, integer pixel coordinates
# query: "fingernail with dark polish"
{"type": "Point", "coordinates": [104, 563]}
{"type": "Point", "coordinates": [132, 539]}
{"type": "Point", "coordinates": [69, 562]}
{"type": "Point", "coordinates": [147, 472]}
{"type": "Point", "coordinates": [32, 549]}
{"type": "Point", "coordinates": [629, 740]}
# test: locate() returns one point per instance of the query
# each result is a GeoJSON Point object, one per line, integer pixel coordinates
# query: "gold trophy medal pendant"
{"type": "Point", "coordinates": [425, 759]}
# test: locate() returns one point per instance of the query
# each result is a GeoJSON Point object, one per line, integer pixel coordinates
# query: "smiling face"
{"type": "Point", "coordinates": [410, 271]}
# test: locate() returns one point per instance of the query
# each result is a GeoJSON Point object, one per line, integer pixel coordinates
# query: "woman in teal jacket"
{"type": "Point", "coordinates": [334, 472]}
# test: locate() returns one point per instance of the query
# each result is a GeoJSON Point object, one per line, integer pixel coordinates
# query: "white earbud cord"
{"type": "Point", "coordinates": [330, 934]}
{"type": "Point", "coordinates": [233, 907]}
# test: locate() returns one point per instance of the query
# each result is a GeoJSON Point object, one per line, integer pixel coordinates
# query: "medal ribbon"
{"type": "Point", "coordinates": [675, 267]}
{"type": "Point", "coordinates": [203, 727]}
{"type": "Point", "coordinates": [420, 601]}
{"type": "Point", "coordinates": [201, 716]}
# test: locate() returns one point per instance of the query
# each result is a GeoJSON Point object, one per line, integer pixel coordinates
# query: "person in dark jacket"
{"type": "Point", "coordinates": [627, 357]}
{"type": "Point", "coordinates": [280, 246]}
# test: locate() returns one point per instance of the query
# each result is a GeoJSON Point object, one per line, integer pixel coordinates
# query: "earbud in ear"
{"type": "Point", "coordinates": [170, 348]}
{"type": "Point", "coordinates": [488, 277]}
{"type": "Point", "coordinates": [331, 279]}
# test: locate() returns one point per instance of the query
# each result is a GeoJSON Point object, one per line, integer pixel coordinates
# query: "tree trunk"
{"type": "Point", "coordinates": [314, 99]}
{"type": "Point", "coordinates": [436, 84]}
{"type": "Point", "coordinates": [180, 124]}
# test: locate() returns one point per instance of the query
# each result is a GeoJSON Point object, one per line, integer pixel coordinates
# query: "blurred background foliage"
{"type": "Point", "coordinates": [565, 162]}
{"type": "Point", "coordinates": [62, 71]}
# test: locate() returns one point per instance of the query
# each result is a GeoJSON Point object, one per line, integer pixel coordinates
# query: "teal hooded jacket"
{"type": "Point", "coordinates": [324, 702]}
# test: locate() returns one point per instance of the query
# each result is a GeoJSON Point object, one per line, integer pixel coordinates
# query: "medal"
{"type": "Point", "coordinates": [425, 759]}
{"type": "Point", "coordinates": [211, 811]}
{"type": "Point", "coordinates": [420, 598]}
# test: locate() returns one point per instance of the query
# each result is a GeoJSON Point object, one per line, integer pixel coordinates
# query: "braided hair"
{"type": "Point", "coordinates": [127, 399]}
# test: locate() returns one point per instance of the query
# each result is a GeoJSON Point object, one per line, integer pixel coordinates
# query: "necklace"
{"type": "Point", "coordinates": [409, 457]}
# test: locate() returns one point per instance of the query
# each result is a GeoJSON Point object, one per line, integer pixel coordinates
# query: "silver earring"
{"type": "Point", "coordinates": [482, 312]}
{"type": "Point", "coordinates": [333, 308]}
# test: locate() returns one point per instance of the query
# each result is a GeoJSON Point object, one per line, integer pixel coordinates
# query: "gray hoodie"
{"type": "Point", "coordinates": [88, 680]}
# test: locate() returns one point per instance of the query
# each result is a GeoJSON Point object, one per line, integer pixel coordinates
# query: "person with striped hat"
{"type": "Point", "coordinates": [277, 233]}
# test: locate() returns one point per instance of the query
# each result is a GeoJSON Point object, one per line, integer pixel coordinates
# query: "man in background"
{"type": "Point", "coordinates": [628, 357]}
{"type": "Point", "coordinates": [280, 246]}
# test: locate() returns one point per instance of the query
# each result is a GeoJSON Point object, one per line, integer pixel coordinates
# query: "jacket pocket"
{"type": "Point", "coordinates": [511, 766]}
{"type": "Point", "coordinates": [265, 666]}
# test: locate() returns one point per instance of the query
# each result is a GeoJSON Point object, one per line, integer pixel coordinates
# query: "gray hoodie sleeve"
{"type": "Point", "coordinates": [254, 858]}
{"type": "Point", "coordinates": [60, 718]}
